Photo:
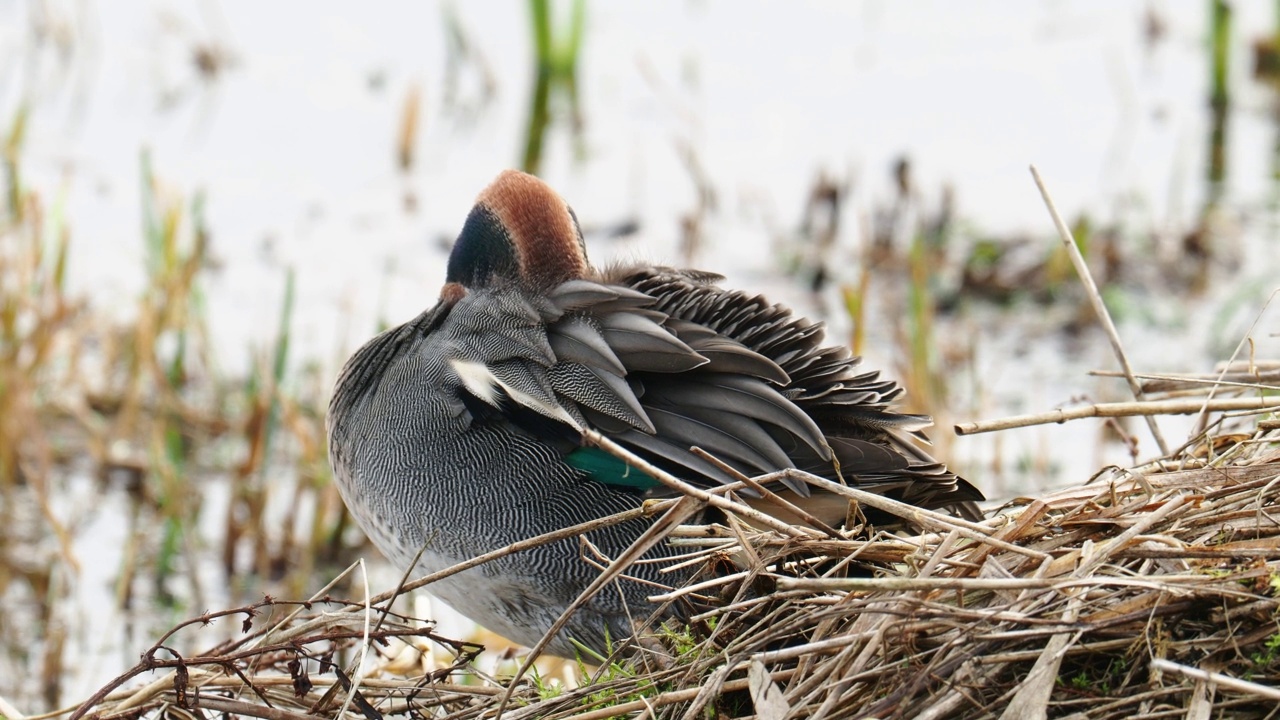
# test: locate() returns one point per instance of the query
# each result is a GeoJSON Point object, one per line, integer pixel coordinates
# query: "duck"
{"type": "Point", "coordinates": [461, 431]}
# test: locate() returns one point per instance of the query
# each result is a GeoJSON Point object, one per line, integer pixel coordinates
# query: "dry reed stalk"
{"type": "Point", "coordinates": [1095, 300]}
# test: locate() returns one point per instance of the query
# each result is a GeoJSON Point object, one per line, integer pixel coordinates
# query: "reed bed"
{"type": "Point", "coordinates": [96, 404]}
{"type": "Point", "coordinates": [1149, 591]}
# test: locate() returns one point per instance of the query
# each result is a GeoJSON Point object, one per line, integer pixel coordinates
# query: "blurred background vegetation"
{"type": "Point", "coordinates": [207, 206]}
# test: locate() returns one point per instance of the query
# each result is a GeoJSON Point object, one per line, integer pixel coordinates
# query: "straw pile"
{"type": "Point", "coordinates": [1150, 591]}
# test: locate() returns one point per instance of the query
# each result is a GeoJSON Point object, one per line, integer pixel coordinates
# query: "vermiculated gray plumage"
{"type": "Point", "coordinates": [457, 432]}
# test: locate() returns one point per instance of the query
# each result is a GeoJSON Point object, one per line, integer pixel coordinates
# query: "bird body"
{"type": "Point", "coordinates": [460, 431]}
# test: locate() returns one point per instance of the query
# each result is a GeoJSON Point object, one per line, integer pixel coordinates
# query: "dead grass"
{"type": "Point", "coordinates": [1150, 591]}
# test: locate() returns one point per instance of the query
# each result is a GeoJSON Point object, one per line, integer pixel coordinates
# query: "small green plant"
{"type": "Point", "coordinates": [1101, 682]}
{"type": "Point", "coordinates": [1081, 681]}
{"type": "Point", "coordinates": [617, 681]}
{"type": "Point", "coordinates": [546, 688]}
{"type": "Point", "coordinates": [679, 639]}
{"type": "Point", "coordinates": [1270, 651]}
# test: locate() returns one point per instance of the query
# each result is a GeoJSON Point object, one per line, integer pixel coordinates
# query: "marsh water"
{"type": "Point", "coordinates": [328, 157]}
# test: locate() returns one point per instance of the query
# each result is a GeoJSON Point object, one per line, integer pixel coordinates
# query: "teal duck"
{"type": "Point", "coordinates": [459, 432]}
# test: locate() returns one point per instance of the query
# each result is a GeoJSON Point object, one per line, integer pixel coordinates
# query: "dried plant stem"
{"type": "Point", "coordinates": [1099, 307]}
{"type": "Point", "coordinates": [9, 711]}
{"type": "Point", "coordinates": [907, 584]}
{"type": "Point", "coordinates": [699, 587]}
{"type": "Point", "coordinates": [1166, 382]}
{"type": "Point", "coordinates": [768, 494]}
{"type": "Point", "coordinates": [1125, 409]}
{"type": "Point", "coordinates": [236, 707]}
{"type": "Point", "coordinates": [1225, 681]}
{"type": "Point", "coordinates": [919, 516]}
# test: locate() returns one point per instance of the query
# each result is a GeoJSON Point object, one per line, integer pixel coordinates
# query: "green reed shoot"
{"type": "Point", "coordinates": [926, 386]}
{"type": "Point", "coordinates": [168, 347]}
{"type": "Point", "coordinates": [856, 306]}
{"type": "Point", "coordinates": [555, 73]}
{"type": "Point", "coordinates": [1219, 52]}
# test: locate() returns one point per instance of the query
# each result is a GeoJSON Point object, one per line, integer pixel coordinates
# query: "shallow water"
{"type": "Point", "coordinates": [293, 145]}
